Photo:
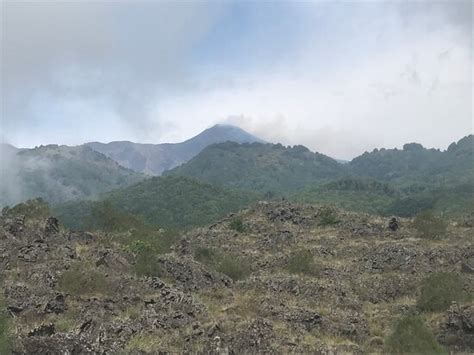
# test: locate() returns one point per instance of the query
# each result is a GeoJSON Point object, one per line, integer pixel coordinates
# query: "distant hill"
{"type": "Point", "coordinates": [351, 193]}
{"type": "Point", "coordinates": [414, 163]}
{"type": "Point", "coordinates": [403, 182]}
{"type": "Point", "coordinates": [153, 159]}
{"type": "Point", "coordinates": [272, 169]}
{"type": "Point", "coordinates": [59, 173]}
{"type": "Point", "coordinates": [169, 202]}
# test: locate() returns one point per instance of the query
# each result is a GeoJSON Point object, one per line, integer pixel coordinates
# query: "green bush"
{"type": "Point", "coordinates": [146, 259]}
{"type": "Point", "coordinates": [429, 226]}
{"type": "Point", "coordinates": [439, 290]}
{"type": "Point", "coordinates": [205, 255]}
{"type": "Point", "coordinates": [108, 218]}
{"type": "Point", "coordinates": [412, 336]}
{"type": "Point", "coordinates": [237, 224]}
{"type": "Point", "coordinates": [302, 263]}
{"type": "Point", "coordinates": [224, 263]}
{"type": "Point", "coordinates": [327, 216]}
{"type": "Point", "coordinates": [233, 267]}
{"type": "Point", "coordinates": [4, 329]}
{"type": "Point", "coordinates": [83, 279]}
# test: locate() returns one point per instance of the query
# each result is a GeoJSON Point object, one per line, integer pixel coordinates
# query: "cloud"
{"type": "Point", "coordinates": [118, 54]}
{"type": "Point", "coordinates": [339, 77]}
{"type": "Point", "coordinates": [374, 80]}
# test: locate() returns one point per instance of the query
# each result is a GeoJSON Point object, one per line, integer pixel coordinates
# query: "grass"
{"type": "Point", "coordinates": [412, 336]}
{"type": "Point", "coordinates": [237, 224]}
{"type": "Point", "coordinates": [439, 290]}
{"type": "Point", "coordinates": [302, 262]}
{"type": "Point", "coordinates": [147, 343]}
{"type": "Point", "coordinates": [146, 259]}
{"type": "Point", "coordinates": [83, 279]}
{"type": "Point", "coordinates": [226, 264]}
{"type": "Point", "coordinates": [429, 226]}
{"type": "Point", "coordinates": [327, 216]}
{"type": "Point", "coordinates": [5, 341]}
{"type": "Point", "coordinates": [67, 321]}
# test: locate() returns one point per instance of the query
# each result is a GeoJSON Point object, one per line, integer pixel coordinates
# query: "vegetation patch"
{"type": "Point", "coordinates": [302, 262]}
{"type": "Point", "coordinates": [147, 343]}
{"type": "Point", "coordinates": [412, 336]}
{"type": "Point", "coordinates": [233, 267]}
{"type": "Point", "coordinates": [237, 224]}
{"type": "Point", "coordinates": [146, 259]}
{"type": "Point", "coordinates": [83, 279]}
{"type": "Point", "coordinates": [429, 226]}
{"type": "Point", "coordinates": [327, 216]}
{"type": "Point", "coordinates": [5, 342]}
{"type": "Point", "coordinates": [439, 290]}
{"type": "Point", "coordinates": [31, 209]}
{"type": "Point", "coordinates": [227, 264]}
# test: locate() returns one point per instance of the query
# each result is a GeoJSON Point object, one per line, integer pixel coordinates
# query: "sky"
{"type": "Point", "coordinates": [339, 77]}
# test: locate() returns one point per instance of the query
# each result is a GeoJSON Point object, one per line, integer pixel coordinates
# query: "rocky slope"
{"type": "Point", "coordinates": [153, 159]}
{"type": "Point", "coordinates": [276, 277]}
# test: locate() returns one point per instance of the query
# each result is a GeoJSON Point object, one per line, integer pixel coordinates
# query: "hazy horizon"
{"type": "Point", "coordinates": [338, 77]}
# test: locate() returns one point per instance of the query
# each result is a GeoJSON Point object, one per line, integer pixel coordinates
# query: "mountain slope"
{"type": "Point", "coordinates": [60, 173]}
{"type": "Point", "coordinates": [286, 282]}
{"type": "Point", "coordinates": [169, 202]}
{"type": "Point", "coordinates": [153, 159]}
{"type": "Point", "coordinates": [266, 168]}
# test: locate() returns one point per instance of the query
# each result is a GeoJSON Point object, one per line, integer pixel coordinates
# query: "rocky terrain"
{"type": "Point", "coordinates": [276, 277]}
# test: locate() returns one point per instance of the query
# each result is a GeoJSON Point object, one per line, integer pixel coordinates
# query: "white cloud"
{"type": "Point", "coordinates": [360, 75]}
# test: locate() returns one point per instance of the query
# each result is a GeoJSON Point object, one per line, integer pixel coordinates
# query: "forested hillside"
{"type": "Point", "coordinates": [60, 173]}
{"type": "Point", "coordinates": [169, 202]}
{"type": "Point", "coordinates": [271, 169]}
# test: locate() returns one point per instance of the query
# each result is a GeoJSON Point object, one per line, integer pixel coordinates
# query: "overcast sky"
{"type": "Point", "coordinates": [339, 77]}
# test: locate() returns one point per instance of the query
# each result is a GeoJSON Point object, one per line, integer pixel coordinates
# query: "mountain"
{"type": "Point", "coordinates": [169, 202]}
{"type": "Point", "coordinates": [272, 169]}
{"type": "Point", "coordinates": [59, 173]}
{"type": "Point", "coordinates": [414, 163]}
{"type": "Point", "coordinates": [385, 181]}
{"type": "Point", "coordinates": [153, 159]}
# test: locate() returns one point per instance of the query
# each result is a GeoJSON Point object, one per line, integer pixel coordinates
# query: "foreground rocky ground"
{"type": "Point", "coordinates": [274, 278]}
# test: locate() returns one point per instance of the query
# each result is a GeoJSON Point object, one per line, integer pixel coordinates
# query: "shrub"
{"type": "Point", "coordinates": [146, 259]}
{"type": "Point", "coordinates": [439, 290]}
{"type": "Point", "coordinates": [4, 330]}
{"type": "Point", "coordinates": [82, 279]}
{"type": "Point", "coordinates": [327, 217]}
{"type": "Point", "coordinates": [412, 336]}
{"type": "Point", "coordinates": [107, 217]}
{"type": "Point", "coordinates": [227, 264]}
{"type": "Point", "coordinates": [302, 263]}
{"type": "Point", "coordinates": [233, 267]}
{"type": "Point", "coordinates": [237, 224]}
{"type": "Point", "coordinates": [429, 226]}
{"type": "Point", "coordinates": [205, 255]}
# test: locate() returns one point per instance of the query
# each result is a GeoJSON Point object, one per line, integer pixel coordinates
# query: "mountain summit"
{"type": "Point", "coordinates": [153, 159]}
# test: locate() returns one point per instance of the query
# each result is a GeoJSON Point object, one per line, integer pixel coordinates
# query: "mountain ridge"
{"type": "Point", "coordinates": [154, 159]}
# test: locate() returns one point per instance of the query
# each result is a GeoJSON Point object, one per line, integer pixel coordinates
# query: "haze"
{"type": "Point", "coordinates": [338, 77]}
